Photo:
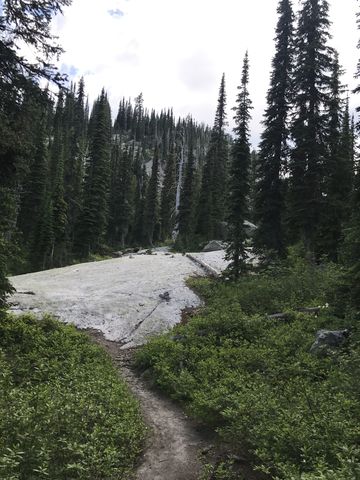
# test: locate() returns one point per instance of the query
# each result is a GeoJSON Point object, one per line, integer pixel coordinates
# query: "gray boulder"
{"type": "Point", "coordinates": [326, 340]}
{"type": "Point", "coordinates": [250, 228]}
{"type": "Point", "coordinates": [213, 246]}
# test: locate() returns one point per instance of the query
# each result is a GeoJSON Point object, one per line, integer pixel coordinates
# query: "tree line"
{"type": "Point", "coordinates": [76, 182]}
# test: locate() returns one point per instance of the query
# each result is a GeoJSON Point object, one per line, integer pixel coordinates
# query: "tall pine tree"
{"type": "Point", "coordinates": [338, 170]}
{"type": "Point", "coordinates": [187, 196]}
{"type": "Point", "coordinates": [239, 178]}
{"type": "Point", "coordinates": [122, 193]}
{"type": "Point", "coordinates": [312, 77]}
{"type": "Point", "coordinates": [212, 201]}
{"type": "Point", "coordinates": [274, 150]}
{"type": "Point", "coordinates": [58, 203]}
{"type": "Point", "coordinates": [94, 215]}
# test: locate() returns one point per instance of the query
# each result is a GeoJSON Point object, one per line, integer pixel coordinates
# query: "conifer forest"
{"type": "Point", "coordinates": [79, 183]}
{"type": "Point", "coordinates": [76, 182]}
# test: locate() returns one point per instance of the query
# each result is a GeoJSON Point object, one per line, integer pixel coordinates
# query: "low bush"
{"type": "Point", "coordinates": [252, 377]}
{"type": "Point", "coordinates": [64, 412]}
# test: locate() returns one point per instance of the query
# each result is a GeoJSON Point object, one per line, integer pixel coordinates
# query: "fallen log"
{"type": "Point", "coordinates": [312, 310]}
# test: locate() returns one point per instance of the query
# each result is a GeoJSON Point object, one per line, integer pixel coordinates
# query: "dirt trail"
{"type": "Point", "coordinates": [174, 443]}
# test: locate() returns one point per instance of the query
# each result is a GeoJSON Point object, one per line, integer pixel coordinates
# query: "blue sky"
{"type": "Point", "coordinates": [174, 51]}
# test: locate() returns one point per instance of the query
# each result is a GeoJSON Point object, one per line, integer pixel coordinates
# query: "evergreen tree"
{"type": "Point", "coordinates": [352, 248]}
{"type": "Point", "coordinates": [20, 25]}
{"type": "Point", "coordinates": [239, 178]}
{"type": "Point", "coordinates": [35, 190]}
{"type": "Point", "coordinates": [273, 153]}
{"type": "Point", "coordinates": [138, 118]}
{"type": "Point", "coordinates": [59, 217]}
{"type": "Point", "coordinates": [186, 207]}
{"type": "Point", "coordinates": [352, 233]}
{"type": "Point", "coordinates": [93, 219]}
{"type": "Point", "coordinates": [120, 121]}
{"type": "Point", "coordinates": [312, 86]}
{"type": "Point", "coordinates": [338, 171]}
{"type": "Point", "coordinates": [42, 248]}
{"type": "Point", "coordinates": [152, 200]}
{"type": "Point", "coordinates": [122, 193]}
{"type": "Point", "coordinates": [253, 183]}
{"type": "Point", "coordinates": [75, 125]}
{"type": "Point", "coordinates": [212, 206]}
{"type": "Point", "coordinates": [138, 229]}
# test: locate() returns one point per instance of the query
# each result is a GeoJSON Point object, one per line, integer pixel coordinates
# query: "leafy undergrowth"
{"type": "Point", "coordinates": [253, 379]}
{"type": "Point", "coordinates": [64, 413]}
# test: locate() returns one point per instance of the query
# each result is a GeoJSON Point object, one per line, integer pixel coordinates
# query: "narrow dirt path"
{"type": "Point", "coordinates": [174, 444]}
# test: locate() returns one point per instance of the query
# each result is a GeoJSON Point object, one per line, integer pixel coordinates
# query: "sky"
{"type": "Point", "coordinates": [175, 51]}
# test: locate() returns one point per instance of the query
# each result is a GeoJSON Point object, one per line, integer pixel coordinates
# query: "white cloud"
{"type": "Point", "coordinates": [175, 51]}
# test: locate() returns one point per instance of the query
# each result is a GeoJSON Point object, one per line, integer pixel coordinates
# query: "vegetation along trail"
{"type": "Point", "coordinates": [176, 446]}
{"type": "Point", "coordinates": [174, 443]}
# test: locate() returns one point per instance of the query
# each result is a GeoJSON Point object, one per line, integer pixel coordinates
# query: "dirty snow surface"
{"type": "Point", "coordinates": [215, 260]}
{"type": "Point", "coordinates": [119, 297]}
{"type": "Point", "coordinates": [215, 263]}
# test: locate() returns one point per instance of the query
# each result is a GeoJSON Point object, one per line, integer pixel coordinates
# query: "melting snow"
{"type": "Point", "coordinates": [119, 297]}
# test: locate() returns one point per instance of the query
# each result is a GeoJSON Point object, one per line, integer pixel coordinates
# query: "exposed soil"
{"type": "Point", "coordinates": [176, 446]}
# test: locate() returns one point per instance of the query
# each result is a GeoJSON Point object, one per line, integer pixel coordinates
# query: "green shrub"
{"type": "Point", "coordinates": [252, 377]}
{"type": "Point", "coordinates": [64, 413]}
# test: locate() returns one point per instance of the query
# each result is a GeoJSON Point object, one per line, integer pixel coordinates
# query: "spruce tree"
{"type": "Point", "coordinates": [138, 228]}
{"type": "Point", "coordinates": [187, 197]}
{"type": "Point", "coordinates": [76, 132]}
{"type": "Point", "coordinates": [59, 206]}
{"type": "Point", "coordinates": [253, 183]}
{"type": "Point", "coordinates": [352, 233]}
{"type": "Point", "coordinates": [138, 118]}
{"type": "Point", "coordinates": [311, 91]}
{"type": "Point", "coordinates": [19, 80]}
{"type": "Point", "coordinates": [239, 178]}
{"type": "Point", "coordinates": [94, 215]}
{"type": "Point", "coordinates": [35, 189]}
{"type": "Point", "coordinates": [42, 248]}
{"type": "Point", "coordinates": [212, 207]}
{"type": "Point", "coordinates": [338, 171]}
{"type": "Point", "coordinates": [274, 150]}
{"type": "Point", "coordinates": [352, 248]}
{"type": "Point", "coordinates": [122, 193]}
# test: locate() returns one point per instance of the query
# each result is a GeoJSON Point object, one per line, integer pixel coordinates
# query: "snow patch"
{"type": "Point", "coordinates": [119, 297]}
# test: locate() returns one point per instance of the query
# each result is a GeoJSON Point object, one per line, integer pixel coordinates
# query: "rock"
{"type": "Point", "coordinates": [327, 340]}
{"type": "Point", "coordinates": [250, 228]}
{"type": "Point", "coordinates": [213, 246]}
{"type": "Point", "coordinates": [117, 254]}
{"type": "Point", "coordinates": [165, 296]}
